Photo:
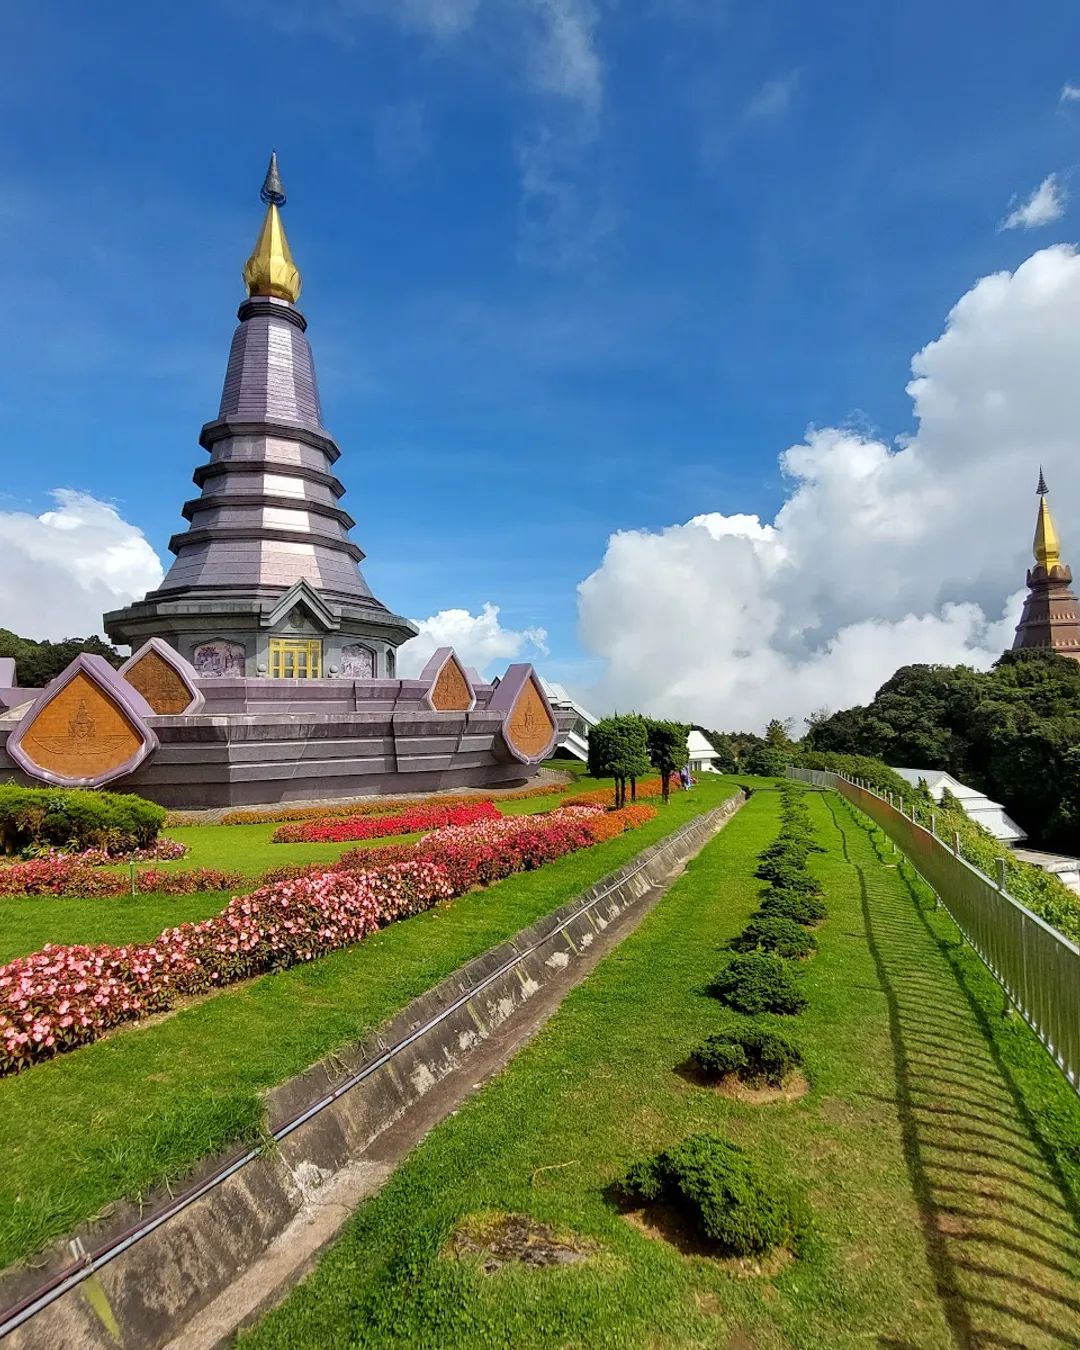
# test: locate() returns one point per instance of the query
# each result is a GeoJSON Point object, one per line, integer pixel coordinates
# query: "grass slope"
{"type": "Point", "coordinates": [111, 1119]}
{"type": "Point", "coordinates": [923, 1165]}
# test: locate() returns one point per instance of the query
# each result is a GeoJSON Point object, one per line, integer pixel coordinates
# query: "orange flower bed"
{"type": "Point", "coordinates": [614, 823]}
{"type": "Point", "coordinates": [647, 787]}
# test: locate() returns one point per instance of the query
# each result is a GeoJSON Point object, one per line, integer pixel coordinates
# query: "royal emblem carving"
{"type": "Point", "coordinates": [85, 729]}
{"type": "Point", "coordinates": [159, 684]}
{"type": "Point", "coordinates": [452, 692]}
{"type": "Point", "coordinates": [530, 727]}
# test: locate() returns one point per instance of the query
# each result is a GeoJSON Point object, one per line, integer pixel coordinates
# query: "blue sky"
{"type": "Point", "coordinates": [570, 267]}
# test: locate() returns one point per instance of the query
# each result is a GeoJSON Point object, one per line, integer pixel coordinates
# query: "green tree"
{"type": "Point", "coordinates": [667, 749]}
{"type": "Point", "coordinates": [1013, 732]}
{"type": "Point", "coordinates": [36, 663]}
{"type": "Point", "coordinates": [618, 748]}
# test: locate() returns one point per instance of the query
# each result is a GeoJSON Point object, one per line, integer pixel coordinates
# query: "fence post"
{"type": "Point", "coordinates": [956, 842]}
{"type": "Point", "coordinates": [933, 823]}
{"type": "Point", "coordinates": [1001, 873]}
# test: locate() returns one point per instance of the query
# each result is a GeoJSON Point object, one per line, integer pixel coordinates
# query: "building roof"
{"type": "Point", "coordinates": [699, 747]}
{"type": "Point", "coordinates": [990, 815]}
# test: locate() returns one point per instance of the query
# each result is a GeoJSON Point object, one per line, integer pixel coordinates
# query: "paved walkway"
{"type": "Point", "coordinates": [1001, 1227]}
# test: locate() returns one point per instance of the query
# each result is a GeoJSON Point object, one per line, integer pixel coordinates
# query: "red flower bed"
{"type": "Point", "coordinates": [432, 817]}
{"type": "Point", "coordinates": [62, 997]}
{"type": "Point", "coordinates": [59, 874]}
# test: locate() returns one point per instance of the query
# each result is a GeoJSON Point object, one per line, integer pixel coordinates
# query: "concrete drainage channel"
{"type": "Point", "coordinates": [187, 1270]}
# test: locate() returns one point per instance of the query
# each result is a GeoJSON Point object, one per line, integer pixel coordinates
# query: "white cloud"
{"type": "Point", "coordinates": [551, 42]}
{"type": "Point", "coordinates": [1070, 93]}
{"type": "Point", "coordinates": [1046, 204]}
{"type": "Point", "coordinates": [478, 640]}
{"type": "Point", "coordinates": [882, 554]}
{"type": "Point", "coordinates": [61, 570]}
{"type": "Point", "coordinates": [773, 99]}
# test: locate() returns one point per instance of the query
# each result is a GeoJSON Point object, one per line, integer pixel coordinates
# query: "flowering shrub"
{"type": "Point", "coordinates": [386, 806]}
{"type": "Point", "coordinates": [62, 997]}
{"type": "Point", "coordinates": [59, 874]}
{"type": "Point", "coordinates": [81, 875]}
{"type": "Point", "coordinates": [612, 823]}
{"type": "Point", "coordinates": [379, 827]}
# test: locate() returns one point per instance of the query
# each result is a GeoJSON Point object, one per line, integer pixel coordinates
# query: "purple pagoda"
{"type": "Point", "coordinates": [263, 668]}
{"type": "Point", "coordinates": [266, 579]}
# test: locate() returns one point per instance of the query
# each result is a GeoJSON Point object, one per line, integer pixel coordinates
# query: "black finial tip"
{"type": "Point", "coordinates": [272, 192]}
{"type": "Point", "coordinates": [1042, 489]}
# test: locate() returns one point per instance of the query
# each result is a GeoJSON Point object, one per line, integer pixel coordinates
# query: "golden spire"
{"type": "Point", "coordinates": [270, 270]}
{"type": "Point", "coordinates": [1047, 547]}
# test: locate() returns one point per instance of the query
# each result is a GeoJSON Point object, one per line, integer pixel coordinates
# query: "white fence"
{"type": "Point", "coordinates": [1037, 967]}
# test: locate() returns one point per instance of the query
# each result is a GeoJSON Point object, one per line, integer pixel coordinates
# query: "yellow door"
{"type": "Point", "coordinates": [295, 659]}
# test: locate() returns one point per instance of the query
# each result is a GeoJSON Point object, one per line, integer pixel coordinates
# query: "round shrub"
{"type": "Point", "coordinates": [787, 873]}
{"type": "Point", "coordinates": [795, 905]}
{"type": "Point", "coordinates": [731, 1201]}
{"type": "Point", "coordinates": [759, 983]}
{"type": "Point", "coordinates": [755, 1053]}
{"type": "Point", "coordinates": [721, 1055]}
{"type": "Point", "coordinates": [774, 933]}
{"type": "Point", "coordinates": [76, 819]}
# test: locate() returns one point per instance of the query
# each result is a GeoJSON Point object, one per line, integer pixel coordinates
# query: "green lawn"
{"type": "Point", "coordinates": [939, 1150]}
{"type": "Point", "coordinates": [111, 1119]}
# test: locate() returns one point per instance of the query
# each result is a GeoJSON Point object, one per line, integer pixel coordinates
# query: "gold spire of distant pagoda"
{"type": "Point", "coordinates": [270, 270]}
{"type": "Point", "coordinates": [1047, 547]}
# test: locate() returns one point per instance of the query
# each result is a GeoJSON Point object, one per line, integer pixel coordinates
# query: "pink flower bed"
{"type": "Point", "coordinates": [428, 817]}
{"type": "Point", "coordinates": [62, 997]}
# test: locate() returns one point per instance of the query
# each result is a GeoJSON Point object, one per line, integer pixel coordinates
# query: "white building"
{"type": "Point", "coordinates": [990, 815]}
{"type": "Point", "coordinates": [702, 756]}
{"type": "Point", "coordinates": [574, 720]}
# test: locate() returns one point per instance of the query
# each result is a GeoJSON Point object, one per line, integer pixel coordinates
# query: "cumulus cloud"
{"type": "Point", "coordinates": [61, 570]}
{"type": "Point", "coordinates": [478, 639]}
{"type": "Point", "coordinates": [882, 554]}
{"type": "Point", "coordinates": [1070, 93]}
{"type": "Point", "coordinates": [1046, 204]}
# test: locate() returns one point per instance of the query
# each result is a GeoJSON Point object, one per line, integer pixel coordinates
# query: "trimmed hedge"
{"type": "Point", "coordinates": [759, 983]}
{"type": "Point", "coordinates": [754, 1053]}
{"type": "Point", "coordinates": [76, 819]}
{"type": "Point", "coordinates": [730, 1200]}
{"type": "Point", "coordinates": [775, 933]}
{"type": "Point", "coordinates": [795, 905]}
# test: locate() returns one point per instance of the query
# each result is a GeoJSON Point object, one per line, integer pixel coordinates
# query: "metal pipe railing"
{"type": "Point", "coordinates": [1037, 966]}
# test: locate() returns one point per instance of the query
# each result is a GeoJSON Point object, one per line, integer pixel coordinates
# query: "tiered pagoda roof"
{"type": "Point", "coordinates": [1051, 617]}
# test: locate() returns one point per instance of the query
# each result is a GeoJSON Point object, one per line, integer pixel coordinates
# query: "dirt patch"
{"type": "Point", "coordinates": [794, 1086]}
{"type": "Point", "coordinates": [501, 1239]}
{"type": "Point", "coordinates": [667, 1223]}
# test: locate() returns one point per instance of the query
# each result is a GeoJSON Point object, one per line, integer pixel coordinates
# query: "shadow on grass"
{"type": "Point", "coordinates": [999, 1222]}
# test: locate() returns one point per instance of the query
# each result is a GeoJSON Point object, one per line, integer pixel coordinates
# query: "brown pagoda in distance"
{"type": "Point", "coordinates": [1051, 616]}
